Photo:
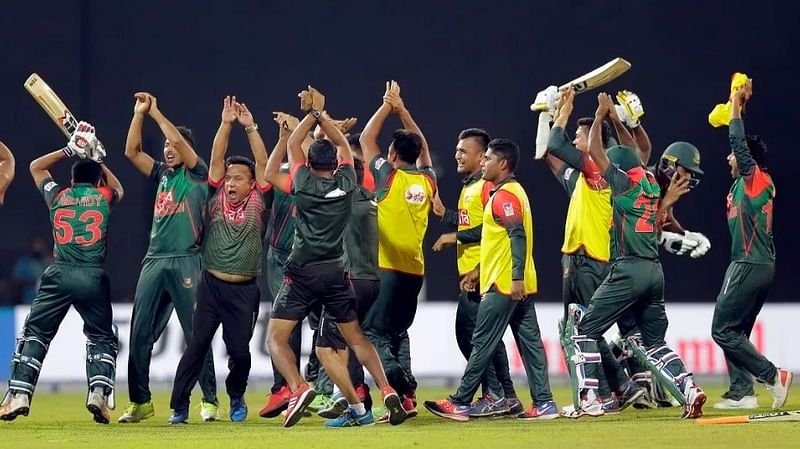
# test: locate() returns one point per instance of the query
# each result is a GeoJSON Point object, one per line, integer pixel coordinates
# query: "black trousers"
{"type": "Point", "coordinates": [235, 306]}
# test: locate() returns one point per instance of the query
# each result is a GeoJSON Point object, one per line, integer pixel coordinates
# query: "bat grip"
{"type": "Point", "coordinates": [543, 133]}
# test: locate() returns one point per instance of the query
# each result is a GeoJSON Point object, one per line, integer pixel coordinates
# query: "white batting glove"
{"type": "Point", "coordinates": [97, 151]}
{"type": "Point", "coordinates": [546, 100]}
{"type": "Point", "coordinates": [703, 244]}
{"type": "Point", "coordinates": [630, 108]}
{"type": "Point", "coordinates": [677, 244]}
{"type": "Point", "coordinates": [81, 141]}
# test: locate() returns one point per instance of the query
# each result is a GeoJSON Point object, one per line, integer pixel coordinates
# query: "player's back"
{"type": "Point", "coordinates": [635, 209]}
{"type": "Point", "coordinates": [79, 215]}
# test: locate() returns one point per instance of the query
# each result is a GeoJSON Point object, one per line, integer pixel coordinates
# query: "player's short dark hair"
{"type": "Point", "coordinates": [605, 130]}
{"type": "Point", "coordinates": [358, 165]}
{"type": "Point", "coordinates": [187, 134]}
{"type": "Point", "coordinates": [507, 150]}
{"type": "Point", "coordinates": [479, 134]}
{"type": "Point", "coordinates": [86, 171]}
{"type": "Point", "coordinates": [322, 155]}
{"type": "Point", "coordinates": [241, 160]}
{"type": "Point", "coordinates": [407, 145]}
{"type": "Point", "coordinates": [758, 149]}
{"type": "Point", "coordinates": [355, 145]}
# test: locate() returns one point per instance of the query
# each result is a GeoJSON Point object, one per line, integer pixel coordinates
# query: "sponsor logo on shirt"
{"type": "Point", "coordinates": [567, 173]}
{"type": "Point", "coordinates": [166, 205]}
{"type": "Point", "coordinates": [336, 193]}
{"type": "Point", "coordinates": [463, 217]}
{"type": "Point", "coordinates": [415, 194]}
{"type": "Point", "coordinates": [379, 163]}
{"type": "Point", "coordinates": [508, 209]}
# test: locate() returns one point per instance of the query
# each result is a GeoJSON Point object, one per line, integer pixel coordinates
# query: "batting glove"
{"type": "Point", "coordinates": [703, 244]}
{"type": "Point", "coordinates": [630, 108]}
{"type": "Point", "coordinates": [81, 141]}
{"type": "Point", "coordinates": [677, 244]}
{"type": "Point", "coordinates": [97, 151]}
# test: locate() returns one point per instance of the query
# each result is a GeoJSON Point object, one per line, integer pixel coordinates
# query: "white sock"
{"type": "Point", "coordinates": [358, 408]}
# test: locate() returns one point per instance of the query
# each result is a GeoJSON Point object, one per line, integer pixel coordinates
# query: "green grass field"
{"type": "Point", "coordinates": [61, 421]}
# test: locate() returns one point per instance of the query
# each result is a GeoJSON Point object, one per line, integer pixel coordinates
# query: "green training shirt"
{"type": "Point", "coordinates": [634, 197]}
{"type": "Point", "coordinates": [361, 237]}
{"type": "Point", "coordinates": [79, 215]}
{"type": "Point", "coordinates": [282, 219]}
{"type": "Point", "coordinates": [178, 212]}
{"type": "Point", "coordinates": [324, 206]}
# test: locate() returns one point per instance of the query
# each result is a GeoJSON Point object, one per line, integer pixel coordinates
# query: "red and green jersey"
{"type": "Point", "coordinates": [235, 233]}
{"type": "Point", "coordinates": [178, 211]}
{"type": "Point", "coordinates": [79, 214]}
{"type": "Point", "coordinates": [634, 197]}
{"type": "Point", "coordinates": [749, 205]}
{"type": "Point", "coordinates": [282, 219]}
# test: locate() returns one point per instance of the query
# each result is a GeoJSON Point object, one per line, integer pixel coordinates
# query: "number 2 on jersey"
{"type": "Point", "coordinates": [92, 220]}
{"type": "Point", "coordinates": [642, 224]}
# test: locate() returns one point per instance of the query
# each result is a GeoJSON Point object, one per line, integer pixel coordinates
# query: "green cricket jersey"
{"type": "Point", "coordinates": [361, 237]}
{"type": "Point", "coordinates": [749, 205]}
{"type": "Point", "coordinates": [324, 206]}
{"type": "Point", "coordinates": [282, 219]}
{"type": "Point", "coordinates": [79, 215]}
{"type": "Point", "coordinates": [179, 210]}
{"type": "Point", "coordinates": [634, 197]}
{"type": "Point", "coordinates": [235, 233]}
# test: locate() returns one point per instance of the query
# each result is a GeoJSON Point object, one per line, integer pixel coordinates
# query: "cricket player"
{"type": "Point", "coordinates": [749, 276]}
{"type": "Point", "coordinates": [499, 397]}
{"type": "Point", "coordinates": [171, 268]}
{"type": "Point", "coordinates": [228, 294]}
{"type": "Point", "coordinates": [7, 166]}
{"type": "Point", "coordinates": [635, 280]}
{"type": "Point", "coordinates": [507, 279]}
{"type": "Point", "coordinates": [405, 184]}
{"type": "Point", "coordinates": [323, 186]}
{"type": "Point", "coordinates": [79, 213]}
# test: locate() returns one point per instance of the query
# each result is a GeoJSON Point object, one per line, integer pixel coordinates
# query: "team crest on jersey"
{"type": "Point", "coordinates": [508, 209]}
{"type": "Point", "coordinates": [463, 217]}
{"type": "Point", "coordinates": [187, 282]}
{"type": "Point", "coordinates": [379, 163]}
{"type": "Point", "coordinates": [415, 194]}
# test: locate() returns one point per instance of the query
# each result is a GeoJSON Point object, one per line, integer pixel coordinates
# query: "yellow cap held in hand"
{"type": "Point", "coordinates": [721, 114]}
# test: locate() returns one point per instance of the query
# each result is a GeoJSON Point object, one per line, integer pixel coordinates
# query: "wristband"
{"type": "Point", "coordinates": [315, 113]}
{"type": "Point", "coordinates": [251, 129]}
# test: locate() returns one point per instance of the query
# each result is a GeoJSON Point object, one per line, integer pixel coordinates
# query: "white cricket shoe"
{"type": "Point", "coordinates": [745, 403]}
{"type": "Point", "coordinates": [780, 389]}
{"type": "Point", "coordinates": [16, 404]}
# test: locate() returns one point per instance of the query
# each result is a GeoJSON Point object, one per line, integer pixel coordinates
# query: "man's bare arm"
{"type": "Point", "coordinates": [7, 168]}
{"type": "Point", "coordinates": [596, 150]}
{"type": "Point", "coordinates": [40, 167]}
{"type": "Point", "coordinates": [643, 144]}
{"type": "Point", "coordinates": [112, 182]}
{"type": "Point", "coordinates": [399, 108]}
{"type": "Point", "coordinates": [257, 146]}
{"type": "Point", "coordinates": [188, 155]}
{"type": "Point", "coordinates": [343, 152]}
{"type": "Point", "coordinates": [216, 167]}
{"type": "Point", "coordinates": [133, 143]}
{"type": "Point", "coordinates": [369, 136]}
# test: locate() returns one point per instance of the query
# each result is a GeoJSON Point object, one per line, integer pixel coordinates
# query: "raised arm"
{"type": "Point", "coordinates": [642, 144]}
{"type": "Point", "coordinates": [272, 174]}
{"type": "Point", "coordinates": [295, 149]}
{"type": "Point", "coordinates": [40, 167]}
{"type": "Point", "coordinates": [112, 182]}
{"type": "Point", "coordinates": [399, 108]}
{"type": "Point", "coordinates": [216, 168]}
{"type": "Point", "coordinates": [624, 136]}
{"type": "Point", "coordinates": [179, 144]}
{"type": "Point", "coordinates": [369, 136]}
{"type": "Point", "coordinates": [736, 136]}
{"type": "Point", "coordinates": [343, 152]}
{"type": "Point", "coordinates": [7, 166]}
{"type": "Point", "coordinates": [133, 144]}
{"type": "Point", "coordinates": [596, 150]}
{"type": "Point", "coordinates": [257, 146]}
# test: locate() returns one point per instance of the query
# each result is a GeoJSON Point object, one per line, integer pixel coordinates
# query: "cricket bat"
{"type": "Point", "coordinates": [546, 99]}
{"type": "Point", "coordinates": [51, 104]}
{"type": "Point", "coordinates": [752, 419]}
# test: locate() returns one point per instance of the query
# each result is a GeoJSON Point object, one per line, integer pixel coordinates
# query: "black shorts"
{"type": "Point", "coordinates": [304, 287]}
{"type": "Point", "coordinates": [329, 336]}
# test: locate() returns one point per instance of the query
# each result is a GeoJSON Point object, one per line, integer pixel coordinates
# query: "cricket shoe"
{"type": "Point", "coordinates": [695, 398]}
{"type": "Point", "coordinates": [98, 406]}
{"type": "Point", "coordinates": [238, 412]}
{"type": "Point", "coordinates": [15, 404]}
{"type": "Point", "coordinates": [349, 419]}
{"type": "Point", "coordinates": [447, 409]}
{"type": "Point", "coordinates": [631, 393]}
{"type": "Point", "coordinates": [780, 389]}
{"type": "Point", "coordinates": [137, 412]}
{"type": "Point", "coordinates": [394, 406]}
{"type": "Point", "coordinates": [515, 408]}
{"type": "Point", "coordinates": [298, 403]}
{"type": "Point", "coordinates": [488, 406]}
{"type": "Point", "coordinates": [410, 406]}
{"type": "Point", "coordinates": [611, 406]}
{"type": "Point", "coordinates": [276, 403]}
{"type": "Point", "coordinates": [745, 403]}
{"type": "Point", "coordinates": [593, 409]}
{"type": "Point", "coordinates": [334, 407]}
{"type": "Point", "coordinates": [542, 411]}
{"type": "Point", "coordinates": [320, 402]}
{"type": "Point", "coordinates": [209, 411]}
{"type": "Point", "coordinates": [179, 417]}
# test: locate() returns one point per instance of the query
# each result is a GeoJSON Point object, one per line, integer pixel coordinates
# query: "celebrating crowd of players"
{"type": "Point", "coordinates": [325, 221]}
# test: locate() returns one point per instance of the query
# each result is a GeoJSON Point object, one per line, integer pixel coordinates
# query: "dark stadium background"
{"type": "Point", "coordinates": [460, 64]}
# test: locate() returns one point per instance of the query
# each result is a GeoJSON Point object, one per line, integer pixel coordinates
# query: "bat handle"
{"type": "Point", "coordinates": [543, 133]}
